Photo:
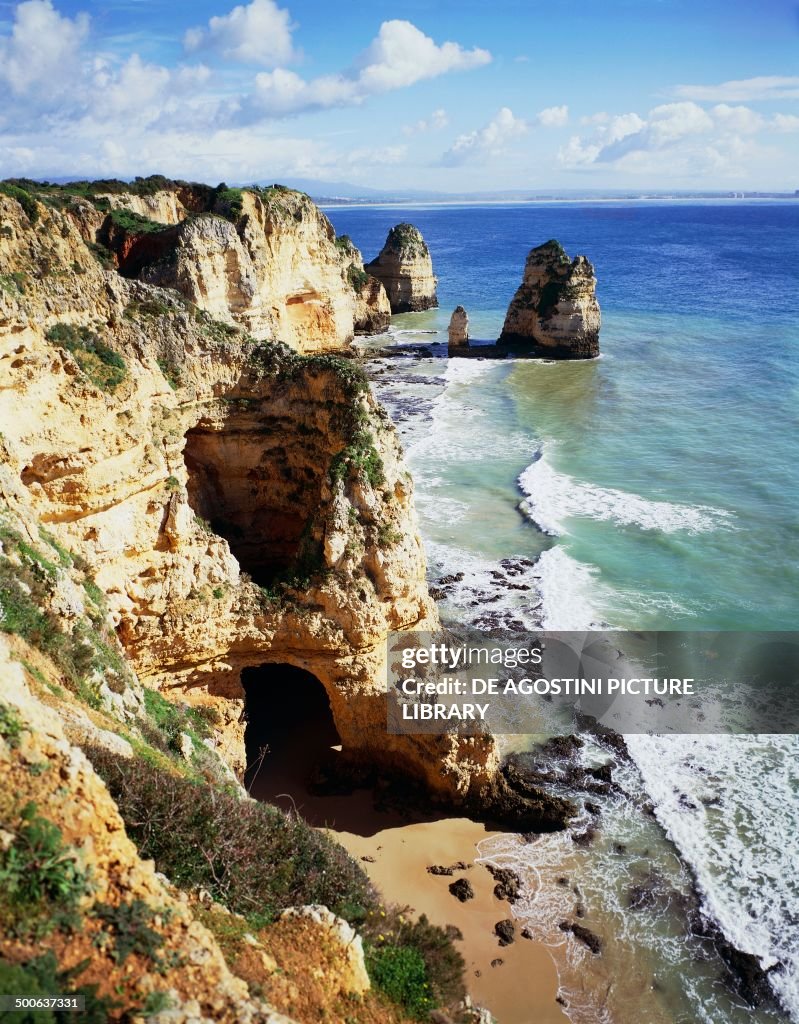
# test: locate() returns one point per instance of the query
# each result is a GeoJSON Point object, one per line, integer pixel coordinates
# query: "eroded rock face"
{"type": "Point", "coordinates": [458, 331]}
{"type": "Point", "coordinates": [372, 308]}
{"type": "Point", "coordinates": [555, 310]}
{"type": "Point", "coordinates": [405, 268]}
{"type": "Point", "coordinates": [275, 270]}
{"type": "Point", "coordinates": [237, 504]}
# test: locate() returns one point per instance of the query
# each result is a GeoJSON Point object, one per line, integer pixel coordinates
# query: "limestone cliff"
{"type": "Point", "coordinates": [555, 310]}
{"type": "Point", "coordinates": [264, 259]}
{"type": "Point", "coordinates": [237, 504]}
{"type": "Point", "coordinates": [406, 270]}
{"type": "Point", "coordinates": [372, 308]}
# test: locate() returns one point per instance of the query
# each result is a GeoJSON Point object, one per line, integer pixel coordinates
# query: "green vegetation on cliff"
{"type": "Point", "coordinates": [104, 367]}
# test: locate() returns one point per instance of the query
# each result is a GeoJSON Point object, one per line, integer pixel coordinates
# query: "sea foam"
{"type": "Point", "coordinates": [552, 497]}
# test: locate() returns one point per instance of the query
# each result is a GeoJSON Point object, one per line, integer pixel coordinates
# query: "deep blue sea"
{"type": "Point", "coordinates": [654, 488]}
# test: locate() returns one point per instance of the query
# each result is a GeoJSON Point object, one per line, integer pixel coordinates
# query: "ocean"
{"type": "Point", "coordinates": [656, 487]}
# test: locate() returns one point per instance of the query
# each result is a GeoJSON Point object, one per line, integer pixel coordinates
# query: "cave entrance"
{"type": "Point", "coordinates": [289, 732]}
{"type": "Point", "coordinates": [254, 490]}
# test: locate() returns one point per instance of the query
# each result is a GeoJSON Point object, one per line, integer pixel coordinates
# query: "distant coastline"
{"type": "Point", "coordinates": [331, 202]}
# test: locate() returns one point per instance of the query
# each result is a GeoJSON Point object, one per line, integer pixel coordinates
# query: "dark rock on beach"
{"type": "Point", "coordinates": [505, 931]}
{"type": "Point", "coordinates": [462, 889]}
{"type": "Point", "coordinates": [509, 885]}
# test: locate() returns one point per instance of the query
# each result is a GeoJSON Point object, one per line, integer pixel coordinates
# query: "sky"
{"type": "Point", "coordinates": [450, 96]}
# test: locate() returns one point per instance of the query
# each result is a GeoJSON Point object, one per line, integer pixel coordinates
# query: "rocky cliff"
{"type": "Point", "coordinates": [237, 504]}
{"type": "Point", "coordinates": [264, 259]}
{"type": "Point", "coordinates": [405, 269]}
{"type": "Point", "coordinates": [555, 311]}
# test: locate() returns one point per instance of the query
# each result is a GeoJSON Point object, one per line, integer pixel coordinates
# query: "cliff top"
{"type": "Point", "coordinates": [406, 239]}
{"type": "Point", "coordinates": [193, 197]}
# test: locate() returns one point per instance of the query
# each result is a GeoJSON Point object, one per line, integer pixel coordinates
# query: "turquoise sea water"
{"type": "Point", "coordinates": [654, 488]}
{"type": "Point", "coordinates": [668, 468]}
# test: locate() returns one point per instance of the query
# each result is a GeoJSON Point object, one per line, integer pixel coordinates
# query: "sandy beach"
{"type": "Point", "coordinates": [519, 990]}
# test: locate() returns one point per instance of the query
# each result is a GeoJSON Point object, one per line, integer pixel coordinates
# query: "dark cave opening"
{"type": "Point", "coordinates": [255, 491]}
{"type": "Point", "coordinates": [289, 731]}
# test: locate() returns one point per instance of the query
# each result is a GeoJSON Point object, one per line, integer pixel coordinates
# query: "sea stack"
{"type": "Point", "coordinates": [555, 311]}
{"type": "Point", "coordinates": [459, 329]}
{"type": "Point", "coordinates": [406, 270]}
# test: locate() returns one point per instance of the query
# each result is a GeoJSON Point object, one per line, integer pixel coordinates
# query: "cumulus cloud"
{"type": "Point", "coordinates": [434, 123]}
{"type": "Point", "coordinates": [680, 138]}
{"type": "Point", "coordinates": [746, 90]}
{"type": "Point", "coordinates": [786, 123]}
{"type": "Point", "coordinates": [740, 120]}
{"type": "Point", "coordinates": [486, 142]}
{"type": "Point", "coordinates": [42, 49]}
{"type": "Point", "coordinates": [399, 56]}
{"type": "Point", "coordinates": [552, 117]}
{"type": "Point", "coordinates": [256, 33]}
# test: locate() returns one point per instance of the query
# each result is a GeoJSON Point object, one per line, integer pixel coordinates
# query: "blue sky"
{"type": "Point", "coordinates": [452, 96]}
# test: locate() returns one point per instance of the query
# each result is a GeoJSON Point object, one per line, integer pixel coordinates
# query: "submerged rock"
{"type": "Point", "coordinates": [584, 935]}
{"type": "Point", "coordinates": [555, 310]}
{"type": "Point", "coordinates": [458, 330]}
{"type": "Point", "coordinates": [405, 269]}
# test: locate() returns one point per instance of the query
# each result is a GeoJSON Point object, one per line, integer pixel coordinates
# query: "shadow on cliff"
{"type": "Point", "coordinates": [289, 734]}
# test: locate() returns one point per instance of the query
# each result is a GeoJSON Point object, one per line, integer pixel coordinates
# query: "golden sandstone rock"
{"type": "Point", "coordinates": [237, 504]}
{"type": "Point", "coordinates": [405, 268]}
{"type": "Point", "coordinates": [554, 312]}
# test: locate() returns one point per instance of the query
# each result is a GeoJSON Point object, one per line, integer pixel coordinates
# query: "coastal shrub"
{"type": "Point", "coordinates": [357, 278]}
{"type": "Point", "coordinates": [104, 367]}
{"type": "Point", "coordinates": [90, 649]}
{"type": "Point", "coordinates": [23, 197]}
{"type": "Point", "coordinates": [134, 223]}
{"type": "Point", "coordinates": [41, 976]}
{"type": "Point", "coordinates": [102, 254]}
{"type": "Point", "coordinates": [127, 929]}
{"type": "Point", "coordinates": [41, 881]}
{"type": "Point", "coordinates": [16, 281]}
{"type": "Point", "coordinates": [229, 202]}
{"type": "Point", "coordinates": [11, 727]}
{"type": "Point", "coordinates": [400, 972]}
{"type": "Point", "coordinates": [146, 307]}
{"type": "Point", "coordinates": [394, 929]}
{"type": "Point", "coordinates": [359, 456]}
{"type": "Point", "coordinates": [252, 857]}
{"type": "Point", "coordinates": [163, 722]}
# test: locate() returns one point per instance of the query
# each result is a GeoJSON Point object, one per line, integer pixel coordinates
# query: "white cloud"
{"type": "Point", "coordinates": [740, 120]}
{"type": "Point", "coordinates": [487, 141]}
{"type": "Point", "coordinates": [402, 54]}
{"type": "Point", "coordinates": [399, 56]}
{"type": "Point", "coordinates": [786, 123]}
{"type": "Point", "coordinates": [552, 117]}
{"type": "Point", "coordinates": [434, 123]}
{"type": "Point", "coordinates": [678, 140]}
{"type": "Point", "coordinates": [42, 49]}
{"type": "Point", "coordinates": [258, 33]}
{"type": "Point", "coordinates": [134, 88]}
{"type": "Point", "coordinates": [764, 87]}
